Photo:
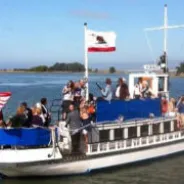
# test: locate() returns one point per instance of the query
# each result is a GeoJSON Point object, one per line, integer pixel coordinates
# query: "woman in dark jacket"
{"type": "Point", "coordinates": [122, 91]}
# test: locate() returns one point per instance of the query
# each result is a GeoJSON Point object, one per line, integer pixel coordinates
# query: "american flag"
{"type": "Point", "coordinates": [4, 97]}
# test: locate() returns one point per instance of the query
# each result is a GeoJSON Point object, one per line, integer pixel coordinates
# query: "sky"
{"type": "Point", "coordinates": [43, 32]}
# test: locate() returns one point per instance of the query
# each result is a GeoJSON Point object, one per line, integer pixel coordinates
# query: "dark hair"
{"type": "Point", "coordinates": [120, 80]}
{"type": "Point", "coordinates": [70, 84]}
{"type": "Point", "coordinates": [140, 79]}
{"type": "Point", "coordinates": [43, 100]}
{"type": "Point", "coordinates": [24, 104]}
{"type": "Point", "coordinates": [108, 81]}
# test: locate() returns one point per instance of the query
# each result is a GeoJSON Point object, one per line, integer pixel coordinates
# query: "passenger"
{"type": "Point", "coordinates": [146, 91]}
{"type": "Point", "coordinates": [107, 92]}
{"type": "Point", "coordinates": [83, 88]}
{"type": "Point", "coordinates": [181, 111]}
{"type": "Point", "coordinates": [92, 107]}
{"type": "Point", "coordinates": [122, 92]}
{"type": "Point", "coordinates": [28, 114]}
{"type": "Point", "coordinates": [2, 124]}
{"type": "Point", "coordinates": [36, 119]}
{"type": "Point", "coordinates": [85, 121]}
{"type": "Point", "coordinates": [77, 95]}
{"type": "Point", "coordinates": [39, 106]}
{"type": "Point", "coordinates": [67, 98]}
{"type": "Point", "coordinates": [172, 107]}
{"type": "Point", "coordinates": [19, 119]}
{"type": "Point", "coordinates": [45, 112]}
{"type": "Point", "coordinates": [74, 122]}
{"type": "Point", "coordinates": [138, 89]}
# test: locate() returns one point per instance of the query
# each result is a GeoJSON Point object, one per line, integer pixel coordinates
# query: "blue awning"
{"type": "Point", "coordinates": [24, 136]}
{"type": "Point", "coordinates": [110, 111]}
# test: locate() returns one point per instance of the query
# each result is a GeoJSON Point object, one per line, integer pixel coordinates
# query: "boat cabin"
{"type": "Point", "coordinates": [157, 81]}
{"type": "Point", "coordinates": [113, 137]}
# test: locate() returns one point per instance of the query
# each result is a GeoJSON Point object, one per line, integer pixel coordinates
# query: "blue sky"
{"type": "Point", "coordinates": [34, 32]}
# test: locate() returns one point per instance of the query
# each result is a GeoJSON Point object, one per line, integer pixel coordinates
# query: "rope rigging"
{"type": "Point", "coordinates": [150, 48]}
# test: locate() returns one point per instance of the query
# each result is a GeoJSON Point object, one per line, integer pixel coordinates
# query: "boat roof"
{"type": "Point", "coordinates": [148, 74]}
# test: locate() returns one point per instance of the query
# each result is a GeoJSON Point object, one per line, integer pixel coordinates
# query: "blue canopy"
{"type": "Point", "coordinates": [110, 111]}
{"type": "Point", "coordinates": [24, 137]}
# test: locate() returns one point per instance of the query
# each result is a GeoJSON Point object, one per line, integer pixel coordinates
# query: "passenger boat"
{"type": "Point", "coordinates": [124, 132]}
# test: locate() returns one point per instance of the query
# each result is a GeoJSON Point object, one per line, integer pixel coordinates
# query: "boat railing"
{"type": "Point", "coordinates": [56, 109]}
{"type": "Point", "coordinates": [122, 145]}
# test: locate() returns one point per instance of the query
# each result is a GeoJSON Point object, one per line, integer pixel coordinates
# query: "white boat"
{"type": "Point", "coordinates": [145, 133]}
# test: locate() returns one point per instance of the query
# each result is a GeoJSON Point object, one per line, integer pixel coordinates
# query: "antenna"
{"type": "Point", "coordinates": [165, 27]}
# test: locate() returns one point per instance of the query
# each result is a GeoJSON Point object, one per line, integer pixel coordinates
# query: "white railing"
{"type": "Point", "coordinates": [107, 147]}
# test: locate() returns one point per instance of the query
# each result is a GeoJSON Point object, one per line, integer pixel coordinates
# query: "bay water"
{"type": "Point", "coordinates": [31, 87]}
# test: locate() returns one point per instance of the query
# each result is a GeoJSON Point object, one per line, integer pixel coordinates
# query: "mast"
{"type": "Point", "coordinates": [165, 27]}
{"type": "Point", "coordinates": [165, 37]}
{"type": "Point", "coordinates": [86, 61]}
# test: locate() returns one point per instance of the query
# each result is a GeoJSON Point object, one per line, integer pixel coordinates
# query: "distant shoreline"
{"type": "Point", "coordinates": [66, 72]}
{"type": "Point", "coordinates": [124, 72]}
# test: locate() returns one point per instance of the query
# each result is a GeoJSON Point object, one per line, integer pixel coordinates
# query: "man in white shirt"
{"type": "Point", "coordinates": [138, 89]}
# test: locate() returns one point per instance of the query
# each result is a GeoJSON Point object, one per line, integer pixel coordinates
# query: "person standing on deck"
{"type": "Point", "coordinates": [45, 112]}
{"type": "Point", "coordinates": [107, 92]}
{"type": "Point", "coordinates": [138, 89]}
{"type": "Point", "coordinates": [2, 124]}
{"type": "Point", "coordinates": [122, 91]}
{"type": "Point", "coordinates": [28, 113]}
{"type": "Point", "coordinates": [67, 93]}
{"type": "Point", "coordinates": [83, 88]}
{"type": "Point", "coordinates": [180, 109]}
{"type": "Point", "coordinates": [74, 122]}
{"type": "Point", "coordinates": [146, 92]}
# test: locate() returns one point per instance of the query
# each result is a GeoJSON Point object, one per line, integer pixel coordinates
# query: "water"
{"type": "Point", "coordinates": [31, 87]}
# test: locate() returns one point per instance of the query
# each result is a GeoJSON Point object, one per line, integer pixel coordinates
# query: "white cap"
{"type": "Point", "coordinates": [124, 79]}
{"type": "Point", "coordinates": [38, 105]}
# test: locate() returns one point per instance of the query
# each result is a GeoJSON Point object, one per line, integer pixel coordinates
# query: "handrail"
{"type": "Point", "coordinates": [58, 110]}
{"type": "Point", "coordinates": [53, 135]}
{"type": "Point", "coordinates": [107, 147]}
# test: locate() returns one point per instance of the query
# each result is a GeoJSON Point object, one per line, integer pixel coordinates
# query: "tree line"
{"type": "Point", "coordinates": [180, 69]}
{"type": "Point", "coordinates": [63, 67]}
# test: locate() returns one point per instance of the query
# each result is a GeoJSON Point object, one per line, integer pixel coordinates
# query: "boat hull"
{"type": "Point", "coordinates": [60, 168]}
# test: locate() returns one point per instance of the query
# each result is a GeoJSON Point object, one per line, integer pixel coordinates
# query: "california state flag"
{"type": "Point", "coordinates": [4, 97]}
{"type": "Point", "coordinates": [100, 41]}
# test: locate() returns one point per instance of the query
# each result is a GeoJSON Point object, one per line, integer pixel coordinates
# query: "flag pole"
{"type": "Point", "coordinates": [86, 60]}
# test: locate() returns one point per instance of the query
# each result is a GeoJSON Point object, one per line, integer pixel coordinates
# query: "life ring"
{"type": "Point", "coordinates": [164, 106]}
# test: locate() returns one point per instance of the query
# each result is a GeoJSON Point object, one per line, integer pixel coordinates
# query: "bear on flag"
{"type": "Point", "coordinates": [100, 41]}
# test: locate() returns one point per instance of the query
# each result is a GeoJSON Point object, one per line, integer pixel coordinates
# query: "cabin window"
{"type": "Point", "coordinates": [167, 127]}
{"type": "Point", "coordinates": [118, 134]}
{"type": "Point", "coordinates": [132, 132]}
{"type": "Point", "coordinates": [144, 130]}
{"type": "Point", "coordinates": [104, 135]}
{"type": "Point", "coordinates": [156, 128]}
{"type": "Point", "coordinates": [161, 84]}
